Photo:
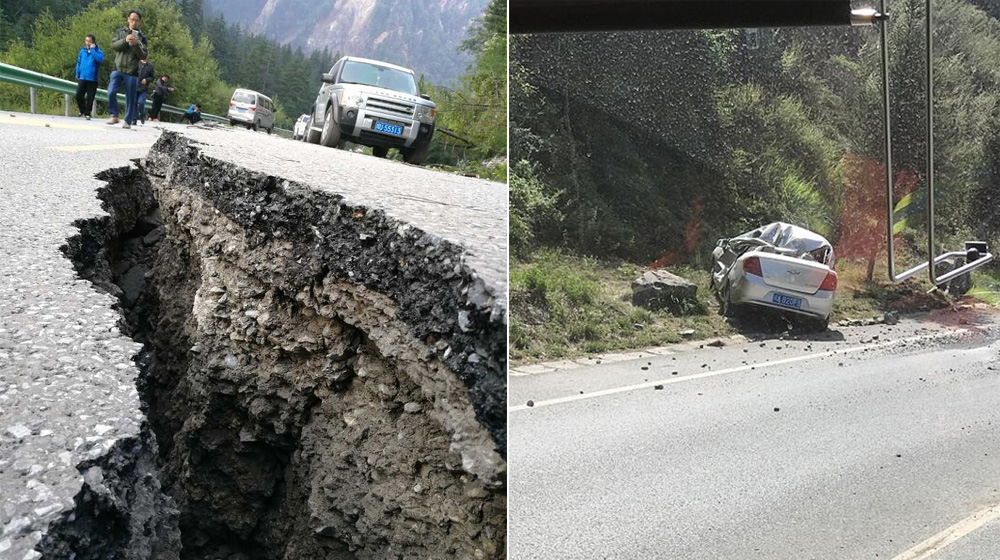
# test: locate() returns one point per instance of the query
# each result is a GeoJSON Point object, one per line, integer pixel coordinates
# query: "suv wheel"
{"type": "Point", "coordinates": [416, 155]}
{"type": "Point", "coordinates": [331, 132]}
{"type": "Point", "coordinates": [256, 126]}
{"type": "Point", "coordinates": [311, 135]}
{"type": "Point", "coordinates": [380, 151]}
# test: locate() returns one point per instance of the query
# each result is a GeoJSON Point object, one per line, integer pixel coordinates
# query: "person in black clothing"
{"type": "Point", "coordinates": [145, 80]}
{"type": "Point", "coordinates": [159, 92]}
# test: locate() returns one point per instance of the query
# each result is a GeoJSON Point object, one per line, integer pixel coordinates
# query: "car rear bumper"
{"type": "Point", "coordinates": [750, 289]}
{"type": "Point", "coordinates": [246, 117]}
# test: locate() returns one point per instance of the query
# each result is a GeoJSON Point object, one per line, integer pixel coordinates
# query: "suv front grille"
{"type": "Point", "coordinates": [390, 106]}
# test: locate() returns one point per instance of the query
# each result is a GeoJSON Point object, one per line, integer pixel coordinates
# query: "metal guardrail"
{"type": "Point", "coordinates": [36, 80]}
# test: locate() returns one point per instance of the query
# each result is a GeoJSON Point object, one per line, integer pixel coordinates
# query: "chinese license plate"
{"type": "Point", "coordinates": [787, 301]}
{"type": "Point", "coordinates": [241, 109]}
{"type": "Point", "coordinates": [388, 128]}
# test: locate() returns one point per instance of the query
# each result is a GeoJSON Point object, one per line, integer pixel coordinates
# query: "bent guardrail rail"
{"type": "Point", "coordinates": [23, 77]}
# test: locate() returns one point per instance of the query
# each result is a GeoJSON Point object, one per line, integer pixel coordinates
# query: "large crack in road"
{"type": "Point", "coordinates": [319, 379]}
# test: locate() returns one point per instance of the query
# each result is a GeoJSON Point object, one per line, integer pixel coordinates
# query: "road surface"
{"type": "Point", "coordinates": [865, 442]}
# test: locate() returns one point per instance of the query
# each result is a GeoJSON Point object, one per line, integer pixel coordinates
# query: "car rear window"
{"type": "Point", "coordinates": [243, 97]}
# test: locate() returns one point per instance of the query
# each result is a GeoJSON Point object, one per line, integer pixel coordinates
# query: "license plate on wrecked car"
{"type": "Point", "coordinates": [388, 128]}
{"type": "Point", "coordinates": [787, 301]}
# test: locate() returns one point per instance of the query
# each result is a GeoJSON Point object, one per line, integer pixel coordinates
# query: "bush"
{"type": "Point", "coordinates": [532, 207]}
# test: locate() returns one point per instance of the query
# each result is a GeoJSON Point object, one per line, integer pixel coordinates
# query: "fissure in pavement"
{"type": "Point", "coordinates": [313, 384]}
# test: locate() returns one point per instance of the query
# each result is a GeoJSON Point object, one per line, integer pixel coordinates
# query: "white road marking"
{"type": "Point", "coordinates": [672, 380]}
{"type": "Point", "coordinates": [93, 147]}
{"type": "Point", "coordinates": [941, 540]}
{"type": "Point", "coordinates": [28, 121]}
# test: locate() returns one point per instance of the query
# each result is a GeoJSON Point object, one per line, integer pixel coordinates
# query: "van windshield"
{"type": "Point", "coordinates": [374, 75]}
{"type": "Point", "coordinates": [243, 97]}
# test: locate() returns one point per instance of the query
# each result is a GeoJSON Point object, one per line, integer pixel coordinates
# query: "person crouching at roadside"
{"type": "Point", "coordinates": [130, 45]}
{"type": "Point", "coordinates": [193, 113]}
{"type": "Point", "coordinates": [159, 92]}
{"type": "Point", "coordinates": [88, 65]}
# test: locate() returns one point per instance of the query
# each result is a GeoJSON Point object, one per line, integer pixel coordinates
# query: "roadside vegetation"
{"type": "Point", "coordinates": [567, 305]}
{"type": "Point", "coordinates": [208, 59]}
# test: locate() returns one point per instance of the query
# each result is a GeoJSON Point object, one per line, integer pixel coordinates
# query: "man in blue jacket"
{"type": "Point", "coordinates": [130, 45]}
{"type": "Point", "coordinates": [88, 63]}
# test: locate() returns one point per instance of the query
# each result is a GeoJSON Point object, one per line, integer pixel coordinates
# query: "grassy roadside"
{"type": "Point", "coordinates": [564, 305]}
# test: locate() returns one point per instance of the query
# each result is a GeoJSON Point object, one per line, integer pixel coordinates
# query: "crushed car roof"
{"type": "Point", "coordinates": [788, 236]}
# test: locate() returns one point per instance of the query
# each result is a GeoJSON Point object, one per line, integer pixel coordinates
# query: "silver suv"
{"type": "Point", "coordinates": [373, 103]}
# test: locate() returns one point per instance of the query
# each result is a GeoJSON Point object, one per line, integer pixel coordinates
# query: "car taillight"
{"type": "Point", "coordinates": [232, 104]}
{"type": "Point", "coordinates": [253, 108]}
{"type": "Point", "coordinates": [752, 266]}
{"type": "Point", "coordinates": [830, 282]}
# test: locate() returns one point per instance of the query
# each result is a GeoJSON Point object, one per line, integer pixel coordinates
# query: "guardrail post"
{"type": "Point", "coordinates": [34, 100]}
{"type": "Point", "coordinates": [67, 104]}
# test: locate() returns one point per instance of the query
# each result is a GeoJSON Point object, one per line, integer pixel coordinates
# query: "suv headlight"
{"type": "Point", "coordinates": [353, 100]}
{"type": "Point", "coordinates": [425, 113]}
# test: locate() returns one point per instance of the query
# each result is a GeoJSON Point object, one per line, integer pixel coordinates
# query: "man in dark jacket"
{"type": "Point", "coordinates": [145, 80]}
{"type": "Point", "coordinates": [158, 94]}
{"type": "Point", "coordinates": [130, 46]}
{"type": "Point", "coordinates": [88, 63]}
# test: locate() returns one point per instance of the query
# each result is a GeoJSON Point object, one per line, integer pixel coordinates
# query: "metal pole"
{"type": "Point", "coordinates": [67, 104]}
{"type": "Point", "coordinates": [930, 147]}
{"type": "Point", "coordinates": [34, 100]}
{"type": "Point", "coordinates": [932, 259]}
{"type": "Point", "coordinates": [890, 217]}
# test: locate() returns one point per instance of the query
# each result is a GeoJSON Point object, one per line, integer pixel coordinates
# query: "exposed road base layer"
{"type": "Point", "coordinates": [323, 381]}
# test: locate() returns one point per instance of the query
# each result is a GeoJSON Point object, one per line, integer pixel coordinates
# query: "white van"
{"type": "Point", "coordinates": [255, 110]}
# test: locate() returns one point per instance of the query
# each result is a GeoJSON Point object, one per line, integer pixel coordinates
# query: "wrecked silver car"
{"type": "Point", "coordinates": [779, 266]}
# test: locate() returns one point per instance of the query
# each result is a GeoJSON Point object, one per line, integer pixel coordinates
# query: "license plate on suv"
{"type": "Point", "coordinates": [388, 128]}
{"type": "Point", "coordinates": [787, 301]}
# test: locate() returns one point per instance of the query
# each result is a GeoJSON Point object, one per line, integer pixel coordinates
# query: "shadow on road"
{"type": "Point", "coordinates": [765, 325]}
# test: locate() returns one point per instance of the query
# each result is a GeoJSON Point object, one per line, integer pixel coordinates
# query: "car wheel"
{"type": "Point", "coordinates": [232, 122]}
{"type": "Point", "coordinates": [727, 308]}
{"type": "Point", "coordinates": [380, 151]}
{"type": "Point", "coordinates": [417, 155]}
{"type": "Point", "coordinates": [817, 325]}
{"type": "Point", "coordinates": [256, 126]}
{"type": "Point", "coordinates": [331, 132]}
{"type": "Point", "coordinates": [311, 135]}
{"type": "Point", "coordinates": [269, 129]}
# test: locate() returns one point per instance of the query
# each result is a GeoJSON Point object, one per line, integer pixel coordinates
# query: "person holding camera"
{"type": "Point", "coordinates": [88, 63]}
{"type": "Point", "coordinates": [130, 46]}
{"type": "Point", "coordinates": [158, 94]}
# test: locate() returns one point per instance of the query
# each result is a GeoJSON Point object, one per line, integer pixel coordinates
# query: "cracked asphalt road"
{"type": "Point", "coordinates": [67, 380]}
{"type": "Point", "coordinates": [66, 376]}
{"type": "Point", "coordinates": [870, 442]}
